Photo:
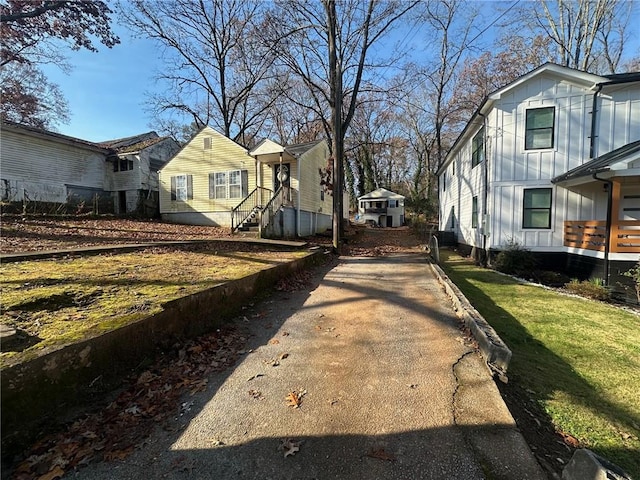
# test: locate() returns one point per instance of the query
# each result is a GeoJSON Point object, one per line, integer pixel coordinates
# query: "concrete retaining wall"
{"type": "Point", "coordinates": [493, 349]}
{"type": "Point", "coordinates": [37, 392]}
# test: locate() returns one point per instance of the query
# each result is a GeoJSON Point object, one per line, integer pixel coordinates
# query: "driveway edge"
{"type": "Point", "coordinates": [37, 391]}
{"type": "Point", "coordinates": [493, 349]}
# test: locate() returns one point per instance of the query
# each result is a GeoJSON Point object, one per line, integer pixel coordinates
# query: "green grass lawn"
{"type": "Point", "coordinates": [579, 358]}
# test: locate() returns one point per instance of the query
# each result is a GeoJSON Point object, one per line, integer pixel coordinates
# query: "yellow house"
{"type": "Point", "coordinates": [273, 189]}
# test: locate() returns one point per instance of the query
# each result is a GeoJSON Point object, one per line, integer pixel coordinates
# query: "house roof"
{"type": "Point", "coordinates": [570, 74]}
{"type": "Point", "coordinates": [266, 147]}
{"type": "Point", "coordinates": [601, 163]}
{"type": "Point", "coordinates": [300, 149]}
{"type": "Point", "coordinates": [54, 136]}
{"type": "Point", "coordinates": [132, 144]}
{"type": "Point", "coordinates": [380, 193]}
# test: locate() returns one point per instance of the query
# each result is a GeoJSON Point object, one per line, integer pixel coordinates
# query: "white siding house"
{"type": "Point", "coordinates": [550, 162]}
{"type": "Point", "coordinates": [115, 176]}
{"type": "Point", "coordinates": [132, 173]}
{"type": "Point", "coordinates": [382, 207]}
{"type": "Point", "coordinates": [46, 167]}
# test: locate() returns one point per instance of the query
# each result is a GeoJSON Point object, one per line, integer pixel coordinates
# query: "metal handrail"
{"type": "Point", "coordinates": [251, 203]}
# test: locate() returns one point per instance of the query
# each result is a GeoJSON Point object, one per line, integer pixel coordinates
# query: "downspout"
{"type": "Point", "coordinates": [609, 184]}
{"type": "Point", "coordinates": [592, 138]}
{"type": "Point", "coordinates": [298, 202]}
{"type": "Point", "coordinates": [485, 199]}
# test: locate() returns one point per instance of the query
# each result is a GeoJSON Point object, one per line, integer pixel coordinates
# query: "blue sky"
{"type": "Point", "coordinates": [106, 89]}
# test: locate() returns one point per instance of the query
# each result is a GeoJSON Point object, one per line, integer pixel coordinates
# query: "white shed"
{"type": "Point", "coordinates": [382, 207]}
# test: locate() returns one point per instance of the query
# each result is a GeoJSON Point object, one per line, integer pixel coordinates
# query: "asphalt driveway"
{"type": "Point", "coordinates": [385, 383]}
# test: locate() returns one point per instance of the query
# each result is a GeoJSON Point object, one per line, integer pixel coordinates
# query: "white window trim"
{"type": "Point", "coordinates": [182, 191]}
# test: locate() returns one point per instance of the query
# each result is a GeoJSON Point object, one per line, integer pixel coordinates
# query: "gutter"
{"type": "Point", "coordinates": [609, 184]}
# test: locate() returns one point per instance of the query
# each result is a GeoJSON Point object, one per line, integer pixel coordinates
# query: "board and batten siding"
{"type": "Point", "coordinates": [514, 169]}
{"type": "Point", "coordinates": [618, 118]}
{"type": "Point", "coordinates": [462, 183]}
{"type": "Point", "coordinates": [44, 168]}
{"type": "Point", "coordinates": [194, 159]}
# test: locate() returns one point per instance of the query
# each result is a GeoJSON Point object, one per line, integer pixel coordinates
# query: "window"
{"type": "Point", "coordinates": [539, 128]}
{"type": "Point", "coordinates": [537, 208]}
{"type": "Point", "coordinates": [122, 165]}
{"type": "Point", "coordinates": [233, 184]}
{"type": "Point", "coordinates": [453, 169]}
{"type": "Point", "coordinates": [393, 203]}
{"type": "Point", "coordinates": [444, 181]}
{"type": "Point", "coordinates": [474, 213]}
{"type": "Point", "coordinates": [322, 194]}
{"type": "Point", "coordinates": [477, 148]}
{"type": "Point", "coordinates": [182, 187]}
{"type": "Point", "coordinates": [207, 143]}
{"type": "Point", "coordinates": [452, 217]}
{"type": "Point", "coordinates": [220, 190]}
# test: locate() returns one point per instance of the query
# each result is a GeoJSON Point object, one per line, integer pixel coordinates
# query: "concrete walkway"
{"type": "Point", "coordinates": [392, 392]}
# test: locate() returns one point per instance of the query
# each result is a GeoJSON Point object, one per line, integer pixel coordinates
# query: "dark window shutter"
{"type": "Point", "coordinates": [173, 188]}
{"type": "Point", "coordinates": [212, 185]}
{"type": "Point", "coordinates": [189, 187]}
{"type": "Point", "coordinates": [245, 183]}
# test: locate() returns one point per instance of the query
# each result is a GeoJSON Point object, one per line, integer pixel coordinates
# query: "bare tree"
{"type": "Point", "coordinates": [329, 49]}
{"type": "Point", "coordinates": [589, 34]}
{"type": "Point", "coordinates": [514, 56]}
{"type": "Point", "coordinates": [214, 64]}
{"type": "Point", "coordinates": [36, 32]}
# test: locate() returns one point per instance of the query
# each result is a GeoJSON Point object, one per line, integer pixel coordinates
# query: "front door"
{"type": "Point", "coordinates": [282, 177]}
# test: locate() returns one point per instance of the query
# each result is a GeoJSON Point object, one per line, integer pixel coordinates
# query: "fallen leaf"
{"type": "Point", "coordinates": [57, 472]}
{"type": "Point", "coordinates": [290, 447]}
{"type": "Point", "coordinates": [199, 386]}
{"type": "Point", "coordinates": [146, 377]}
{"type": "Point", "coordinates": [255, 376]}
{"type": "Point", "coordinates": [283, 356]}
{"type": "Point", "coordinates": [285, 334]}
{"type": "Point", "coordinates": [118, 454]}
{"type": "Point", "coordinates": [293, 400]}
{"type": "Point", "coordinates": [380, 454]}
{"type": "Point", "coordinates": [274, 341]}
{"type": "Point", "coordinates": [256, 394]}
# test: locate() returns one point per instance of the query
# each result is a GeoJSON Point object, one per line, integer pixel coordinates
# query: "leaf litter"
{"type": "Point", "coordinates": [150, 398]}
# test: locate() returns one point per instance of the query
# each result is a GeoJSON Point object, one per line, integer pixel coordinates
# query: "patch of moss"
{"type": "Point", "coordinates": [62, 301]}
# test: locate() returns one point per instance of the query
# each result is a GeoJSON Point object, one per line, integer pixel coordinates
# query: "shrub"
{"type": "Point", "coordinates": [552, 279]}
{"type": "Point", "coordinates": [515, 260]}
{"type": "Point", "coordinates": [634, 274]}
{"type": "Point", "coordinates": [592, 288]}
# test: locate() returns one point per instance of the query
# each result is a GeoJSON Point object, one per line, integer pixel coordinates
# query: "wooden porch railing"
{"type": "Point", "coordinates": [255, 200]}
{"type": "Point", "coordinates": [592, 235]}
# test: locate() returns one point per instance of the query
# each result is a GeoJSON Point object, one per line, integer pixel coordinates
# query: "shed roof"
{"type": "Point", "coordinates": [380, 193]}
